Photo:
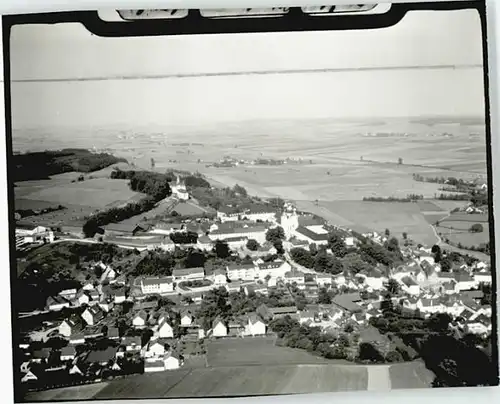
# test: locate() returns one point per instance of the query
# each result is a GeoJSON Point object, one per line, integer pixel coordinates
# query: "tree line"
{"type": "Point", "coordinates": [452, 357]}
{"type": "Point", "coordinates": [408, 198]}
{"type": "Point", "coordinates": [154, 185]}
{"type": "Point", "coordinates": [363, 257]}
{"type": "Point", "coordinates": [42, 165]}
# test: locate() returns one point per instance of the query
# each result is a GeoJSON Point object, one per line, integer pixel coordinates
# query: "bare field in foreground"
{"type": "Point", "coordinates": [252, 366]}
{"type": "Point", "coordinates": [250, 380]}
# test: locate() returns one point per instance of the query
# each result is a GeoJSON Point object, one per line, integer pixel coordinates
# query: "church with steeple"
{"type": "Point", "coordinates": [289, 220]}
{"type": "Point", "coordinates": [179, 190]}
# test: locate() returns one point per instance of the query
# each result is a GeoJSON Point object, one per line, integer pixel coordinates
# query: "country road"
{"type": "Point", "coordinates": [379, 378]}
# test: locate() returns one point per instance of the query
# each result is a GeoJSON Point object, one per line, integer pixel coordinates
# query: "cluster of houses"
{"type": "Point", "coordinates": [421, 284]}
{"type": "Point", "coordinates": [104, 295]}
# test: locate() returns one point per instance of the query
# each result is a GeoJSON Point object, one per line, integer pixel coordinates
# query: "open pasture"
{"type": "Point", "coordinates": [456, 228]}
{"type": "Point", "coordinates": [99, 193]}
{"type": "Point", "coordinates": [256, 351]}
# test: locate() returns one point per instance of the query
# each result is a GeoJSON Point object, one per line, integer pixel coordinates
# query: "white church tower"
{"type": "Point", "coordinates": [179, 190]}
{"type": "Point", "coordinates": [289, 220]}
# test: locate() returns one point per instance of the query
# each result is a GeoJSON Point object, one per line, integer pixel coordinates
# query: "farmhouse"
{"type": "Point", "coordinates": [159, 285]}
{"type": "Point", "coordinates": [373, 280]}
{"type": "Point", "coordinates": [56, 303]}
{"type": "Point", "coordinates": [167, 228]}
{"type": "Point", "coordinates": [188, 274]}
{"type": "Point", "coordinates": [254, 288]}
{"type": "Point", "coordinates": [30, 233]}
{"type": "Point", "coordinates": [464, 281]}
{"type": "Point", "coordinates": [269, 313]}
{"type": "Point", "coordinates": [71, 326]}
{"type": "Point", "coordinates": [132, 344]}
{"type": "Point", "coordinates": [102, 357]}
{"type": "Point", "coordinates": [348, 302]}
{"type": "Point", "coordinates": [172, 361]}
{"type": "Point", "coordinates": [410, 286]}
{"type": "Point", "coordinates": [255, 325]}
{"type": "Point", "coordinates": [429, 305]}
{"type": "Point", "coordinates": [234, 286]}
{"type": "Point", "coordinates": [204, 243]}
{"type": "Point", "coordinates": [92, 315]}
{"type": "Point", "coordinates": [219, 328]}
{"type": "Point", "coordinates": [139, 319]}
{"type": "Point", "coordinates": [155, 348]}
{"type": "Point", "coordinates": [120, 296]}
{"type": "Point", "coordinates": [125, 229]}
{"type": "Point", "coordinates": [482, 277]}
{"type": "Point", "coordinates": [165, 330]}
{"type": "Point", "coordinates": [186, 318]}
{"type": "Point", "coordinates": [68, 353]}
{"type": "Point", "coordinates": [449, 288]}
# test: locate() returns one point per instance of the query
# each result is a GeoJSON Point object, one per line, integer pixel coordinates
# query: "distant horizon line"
{"type": "Point", "coordinates": [249, 73]}
{"type": "Point", "coordinates": [354, 119]}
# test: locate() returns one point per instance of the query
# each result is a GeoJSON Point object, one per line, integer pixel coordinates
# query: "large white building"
{"type": "Point", "coordinates": [258, 233]}
{"type": "Point", "coordinates": [244, 272]}
{"type": "Point", "coordinates": [157, 285]}
{"type": "Point", "coordinates": [27, 234]}
{"type": "Point", "coordinates": [253, 213]}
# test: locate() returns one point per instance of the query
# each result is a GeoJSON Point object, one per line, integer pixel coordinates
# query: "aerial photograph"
{"type": "Point", "coordinates": [250, 214]}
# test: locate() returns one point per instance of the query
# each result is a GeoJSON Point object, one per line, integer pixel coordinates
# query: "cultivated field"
{"type": "Point", "coordinates": [340, 162]}
{"type": "Point", "coordinates": [412, 375]}
{"type": "Point", "coordinates": [362, 216]}
{"type": "Point", "coordinates": [256, 351]}
{"type": "Point", "coordinates": [456, 228]}
{"type": "Point", "coordinates": [330, 150]}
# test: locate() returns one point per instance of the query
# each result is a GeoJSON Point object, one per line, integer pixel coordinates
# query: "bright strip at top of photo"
{"type": "Point", "coordinates": [42, 6]}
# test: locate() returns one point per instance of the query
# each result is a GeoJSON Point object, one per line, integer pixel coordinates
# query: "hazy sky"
{"type": "Point", "coordinates": [420, 39]}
